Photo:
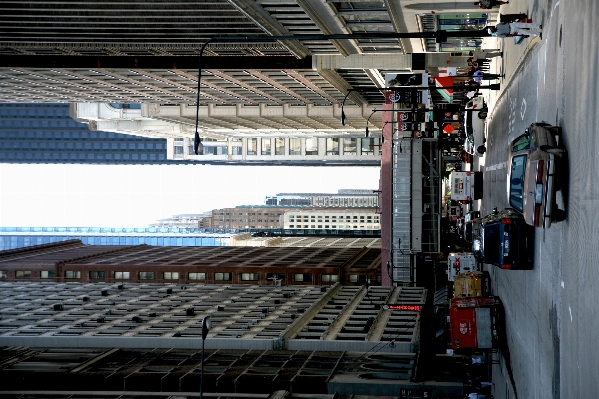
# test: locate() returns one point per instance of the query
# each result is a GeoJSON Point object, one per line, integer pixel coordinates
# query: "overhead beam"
{"type": "Point", "coordinates": [154, 62]}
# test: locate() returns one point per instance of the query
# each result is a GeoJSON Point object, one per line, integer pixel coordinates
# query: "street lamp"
{"type": "Point", "coordinates": [368, 120]}
{"type": "Point", "coordinates": [206, 325]}
{"type": "Point", "coordinates": [343, 117]}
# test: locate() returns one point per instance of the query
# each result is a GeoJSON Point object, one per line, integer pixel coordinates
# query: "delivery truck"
{"type": "Point", "coordinates": [460, 262]}
{"type": "Point", "coordinates": [466, 186]}
{"type": "Point", "coordinates": [475, 323]}
{"type": "Point", "coordinates": [472, 284]}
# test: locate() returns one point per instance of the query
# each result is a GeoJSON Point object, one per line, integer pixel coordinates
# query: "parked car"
{"type": "Point", "coordinates": [533, 162]}
{"type": "Point", "coordinates": [505, 240]}
{"type": "Point", "coordinates": [474, 123]}
{"type": "Point", "coordinates": [471, 226]}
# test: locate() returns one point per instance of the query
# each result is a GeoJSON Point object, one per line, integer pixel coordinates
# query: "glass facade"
{"type": "Point", "coordinates": [45, 133]}
{"type": "Point", "coordinates": [18, 237]}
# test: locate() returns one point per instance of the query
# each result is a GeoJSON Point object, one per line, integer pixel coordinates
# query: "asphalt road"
{"type": "Point", "coordinates": [552, 315]}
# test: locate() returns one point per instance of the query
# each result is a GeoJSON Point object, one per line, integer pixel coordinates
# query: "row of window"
{"type": "Point", "coordinates": [62, 145]}
{"type": "Point", "coordinates": [79, 156]}
{"type": "Point", "coordinates": [334, 226]}
{"type": "Point", "coordinates": [247, 213]}
{"type": "Point", "coordinates": [350, 147]}
{"type": "Point", "coordinates": [219, 276]}
{"type": "Point", "coordinates": [72, 135]}
{"type": "Point", "coordinates": [326, 217]}
{"type": "Point", "coordinates": [37, 111]}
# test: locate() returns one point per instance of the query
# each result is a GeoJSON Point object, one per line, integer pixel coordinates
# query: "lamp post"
{"type": "Point", "coordinates": [368, 120]}
{"type": "Point", "coordinates": [206, 325]}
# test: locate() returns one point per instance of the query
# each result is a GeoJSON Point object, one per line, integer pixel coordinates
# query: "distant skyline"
{"type": "Point", "coordinates": [59, 195]}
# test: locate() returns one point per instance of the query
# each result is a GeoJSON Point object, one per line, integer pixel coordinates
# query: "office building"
{"type": "Point", "coordinates": [245, 217]}
{"type": "Point", "coordinates": [45, 133]}
{"type": "Point", "coordinates": [343, 198]}
{"type": "Point", "coordinates": [332, 218]}
{"type": "Point", "coordinates": [305, 144]}
{"type": "Point", "coordinates": [73, 261]}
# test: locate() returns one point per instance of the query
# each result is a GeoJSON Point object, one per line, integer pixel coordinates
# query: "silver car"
{"type": "Point", "coordinates": [533, 161]}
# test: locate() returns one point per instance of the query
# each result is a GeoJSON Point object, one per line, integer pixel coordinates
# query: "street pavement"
{"type": "Point", "coordinates": [551, 324]}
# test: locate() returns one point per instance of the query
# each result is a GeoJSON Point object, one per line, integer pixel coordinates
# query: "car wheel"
{"type": "Point", "coordinates": [482, 114]}
{"type": "Point", "coordinates": [481, 149]}
{"type": "Point", "coordinates": [559, 215]}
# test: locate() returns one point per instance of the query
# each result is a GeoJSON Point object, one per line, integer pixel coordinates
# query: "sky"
{"type": "Point", "coordinates": [57, 195]}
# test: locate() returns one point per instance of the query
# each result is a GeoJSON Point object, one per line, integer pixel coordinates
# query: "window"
{"type": "Point", "coordinates": [330, 278]}
{"type": "Point", "coordinates": [145, 275]}
{"type": "Point", "coordinates": [72, 274]}
{"type": "Point", "coordinates": [357, 278]}
{"type": "Point", "coordinates": [2, 273]}
{"type": "Point", "coordinates": [516, 184]}
{"type": "Point", "coordinates": [332, 146]}
{"type": "Point", "coordinates": [349, 146]}
{"type": "Point", "coordinates": [47, 274]}
{"type": "Point", "coordinates": [170, 275]}
{"type": "Point", "coordinates": [195, 276]}
{"type": "Point", "coordinates": [250, 276]}
{"type": "Point", "coordinates": [252, 148]}
{"type": "Point", "coordinates": [294, 146]}
{"type": "Point", "coordinates": [303, 277]}
{"type": "Point", "coordinates": [367, 146]}
{"type": "Point", "coordinates": [222, 276]}
{"type": "Point", "coordinates": [97, 275]}
{"type": "Point", "coordinates": [121, 275]}
{"type": "Point", "coordinates": [279, 146]}
{"type": "Point", "coordinates": [312, 146]}
{"type": "Point", "coordinates": [265, 144]}
{"type": "Point", "coordinates": [23, 274]}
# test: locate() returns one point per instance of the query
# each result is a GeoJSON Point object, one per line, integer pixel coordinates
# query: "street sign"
{"type": "Point", "coordinates": [414, 308]}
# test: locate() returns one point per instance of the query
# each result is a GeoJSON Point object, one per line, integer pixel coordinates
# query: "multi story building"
{"type": "Point", "coordinates": [45, 133]}
{"type": "Point", "coordinates": [245, 217]}
{"type": "Point", "coordinates": [332, 218]}
{"type": "Point", "coordinates": [187, 221]}
{"type": "Point", "coordinates": [344, 197]}
{"type": "Point", "coordinates": [73, 261]}
{"type": "Point", "coordinates": [304, 145]}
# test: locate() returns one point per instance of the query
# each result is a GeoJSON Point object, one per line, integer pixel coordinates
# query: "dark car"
{"type": "Point", "coordinates": [471, 226]}
{"type": "Point", "coordinates": [505, 240]}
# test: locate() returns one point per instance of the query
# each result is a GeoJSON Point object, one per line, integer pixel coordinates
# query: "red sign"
{"type": "Point", "coordinates": [415, 308]}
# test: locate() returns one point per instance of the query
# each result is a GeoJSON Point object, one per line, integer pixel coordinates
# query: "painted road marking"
{"type": "Point", "coordinates": [497, 166]}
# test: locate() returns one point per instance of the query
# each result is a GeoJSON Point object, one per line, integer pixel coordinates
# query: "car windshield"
{"type": "Point", "coordinates": [468, 123]}
{"type": "Point", "coordinates": [518, 169]}
{"type": "Point", "coordinates": [492, 243]}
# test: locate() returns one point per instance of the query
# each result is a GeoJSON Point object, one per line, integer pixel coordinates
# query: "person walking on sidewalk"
{"type": "Point", "coordinates": [488, 4]}
{"type": "Point", "coordinates": [504, 30]}
{"type": "Point", "coordinates": [483, 55]}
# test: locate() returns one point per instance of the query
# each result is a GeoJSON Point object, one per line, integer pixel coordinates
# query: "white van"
{"type": "Point", "coordinates": [474, 124]}
{"type": "Point", "coordinates": [459, 263]}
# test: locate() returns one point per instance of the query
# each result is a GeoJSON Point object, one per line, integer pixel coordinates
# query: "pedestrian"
{"type": "Point", "coordinates": [525, 29]}
{"type": "Point", "coordinates": [478, 76]}
{"type": "Point", "coordinates": [488, 4]}
{"type": "Point", "coordinates": [483, 55]}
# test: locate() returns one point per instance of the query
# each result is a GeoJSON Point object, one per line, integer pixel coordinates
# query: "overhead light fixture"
{"type": "Point", "coordinates": [343, 117]}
